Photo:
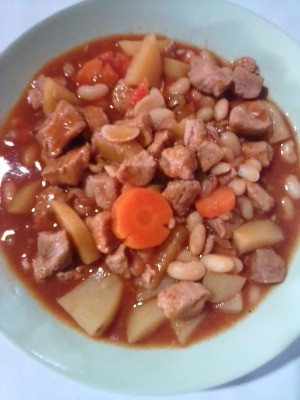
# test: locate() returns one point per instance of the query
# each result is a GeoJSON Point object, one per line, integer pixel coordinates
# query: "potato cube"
{"type": "Point", "coordinates": [222, 287]}
{"type": "Point", "coordinates": [143, 320]}
{"type": "Point", "coordinates": [145, 64]}
{"type": "Point", "coordinates": [94, 302]}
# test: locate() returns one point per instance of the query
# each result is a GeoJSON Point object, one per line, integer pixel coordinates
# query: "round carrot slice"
{"type": "Point", "coordinates": [220, 201]}
{"type": "Point", "coordinates": [140, 217]}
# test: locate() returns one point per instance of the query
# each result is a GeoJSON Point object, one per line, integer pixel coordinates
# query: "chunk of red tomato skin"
{"type": "Point", "coordinates": [118, 61]}
{"type": "Point", "coordinates": [138, 92]}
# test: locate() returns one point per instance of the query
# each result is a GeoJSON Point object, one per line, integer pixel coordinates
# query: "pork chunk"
{"type": "Point", "coordinates": [101, 227]}
{"type": "Point", "coordinates": [137, 170]}
{"type": "Point", "coordinates": [260, 199]}
{"type": "Point", "coordinates": [246, 84]}
{"type": "Point", "coordinates": [194, 134]}
{"type": "Point", "coordinates": [250, 118]}
{"type": "Point", "coordinates": [266, 266]}
{"type": "Point", "coordinates": [247, 63]}
{"type": "Point", "coordinates": [68, 169]}
{"type": "Point", "coordinates": [162, 140]}
{"type": "Point", "coordinates": [178, 162]}
{"type": "Point", "coordinates": [260, 150]}
{"type": "Point", "coordinates": [208, 77]}
{"type": "Point", "coordinates": [103, 188]}
{"type": "Point", "coordinates": [95, 117]}
{"type": "Point", "coordinates": [209, 154]}
{"type": "Point", "coordinates": [53, 254]}
{"type": "Point", "coordinates": [183, 299]}
{"type": "Point", "coordinates": [118, 263]}
{"type": "Point", "coordinates": [64, 124]}
{"type": "Point", "coordinates": [182, 194]}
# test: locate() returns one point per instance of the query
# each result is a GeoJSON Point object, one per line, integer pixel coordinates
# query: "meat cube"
{"type": "Point", "coordinates": [162, 140]}
{"type": "Point", "coordinates": [43, 218]}
{"type": "Point", "coordinates": [218, 226]}
{"type": "Point", "coordinates": [143, 123]}
{"type": "Point", "coordinates": [101, 227]}
{"type": "Point", "coordinates": [182, 194]}
{"type": "Point", "coordinates": [35, 95]}
{"type": "Point", "coordinates": [53, 254]}
{"type": "Point", "coordinates": [266, 266]}
{"type": "Point", "coordinates": [60, 128]}
{"type": "Point", "coordinates": [137, 170]}
{"type": "Point", "coordinates": [260, 199]}
{"type": "Point", "coordinates": [68, 169]}
{"type": "Point", "coordinates": [194, 134]}
{"type": "Point", "coordinates": [247, 63]}
{"type": "Point", "coordinates": [209, 154]}
{"type": "Point", "coordinates": [118, 262]}
{"type": "Point", "coordinates": [261, 150]}
{"type": "Point", "coordinates": [246, 84]}
{"type": "Point", "coordinates": [183, 299]}
{"type": "Point", "coordinates": [95, 117]}
{"type": "Point", "coordinates": [178, 162]}
{"type": "Point", "coordinates": [208, 77]}
{"type": "Point", "coordinates": [103, 188]}
{"type": "Point", "coordinates": [250, 118]}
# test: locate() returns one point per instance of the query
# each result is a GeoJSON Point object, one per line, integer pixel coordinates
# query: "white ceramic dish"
{"type": "Point", "coordinates": [231, 32]}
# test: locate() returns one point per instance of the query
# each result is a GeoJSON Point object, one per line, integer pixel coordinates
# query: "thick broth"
{"type": "Point", "coordinates": [19, 238]}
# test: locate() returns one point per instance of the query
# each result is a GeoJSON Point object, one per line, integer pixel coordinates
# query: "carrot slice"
{"type": "Point", "coordinates": [90, 71]}
{"type": "Point", "coordinates": [140, 216]}
{"type": "Point", "coordinates": [220, 201]}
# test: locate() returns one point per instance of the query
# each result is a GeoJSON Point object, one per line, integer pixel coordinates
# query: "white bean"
{"type": "Point", "coordinates": [192, 219]}
{"type": "Point", "coordinates": [181, 86]}
{"type": "Point", "coordinates": [205, 113]}
{"type": "Point", "coordinates": [153, 100]}
{"type": "Point", "coordinates": [248, 172]}
{"type": "Point", "coordinates": [186, 271]}
{"type": "Point", "coordinates": [238, 265]}
{"type": "Point", "coordinates": [160, 115]}
{"type": "Point", "coordinates": [228, 154]}
{"type": "Point", "coordinates": [292, 186]}
{"type": "Point", "coordinates": [288, 152]}
{"type": "Point", "coordinates": [254, 163]}
{"type": "Point", "coordinates": [231, 140]}
{"type": "Point", "coordinates": [246, 207]}
{"type": "Point", "coordinates": [217, 262]}
{"type": "Point", "coordinates": [119, 133]}
{"type": "Point", "coordinates": [220, 168]}
{"type": "Point", "coordinates": [238, 185]}
{"type": "Point", "coordinates": [221, 109]}
{"type": "Point", "coordinates": [197, 239]}
{"type": "Point", "coordinates": [92, 92]}
{"type": "Point", "coordinates": [288, 208]}
{"type": "Point", "coordinates": [185, 256]}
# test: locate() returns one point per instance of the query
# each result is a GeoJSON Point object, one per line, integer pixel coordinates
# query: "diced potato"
{"type": "Point", "coordinates": [280, 130]}
{"type": "Point", "coordinates": [145, 64]}
{"type": "Point", "coordinates": [184, 328]}
{"type": "Point", "coordinates": [179, 129]}
{"type": "Point", "coordinates": [174, 69]}
{"type": "Point", "coordinates": [222, 287]}
{"type": "Point", "coordinates": [256, 234]}
{"type": "Point", "coordinates": [24, 199]}
{"type": "Point", "coordinates": [131, 47]}
{"type": "Point", "coordinates": [233, 305]}
{"type": "Point", "coordinates": [77, 230]}
{"type": "Point", "coordinates": [143, 320]}
{"type": "Point", "coordinates": [94, 302]}
{"type": "Point", "coordinates": [53, 92]}
{"type": "Point", "coordinates": [116, 152]}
